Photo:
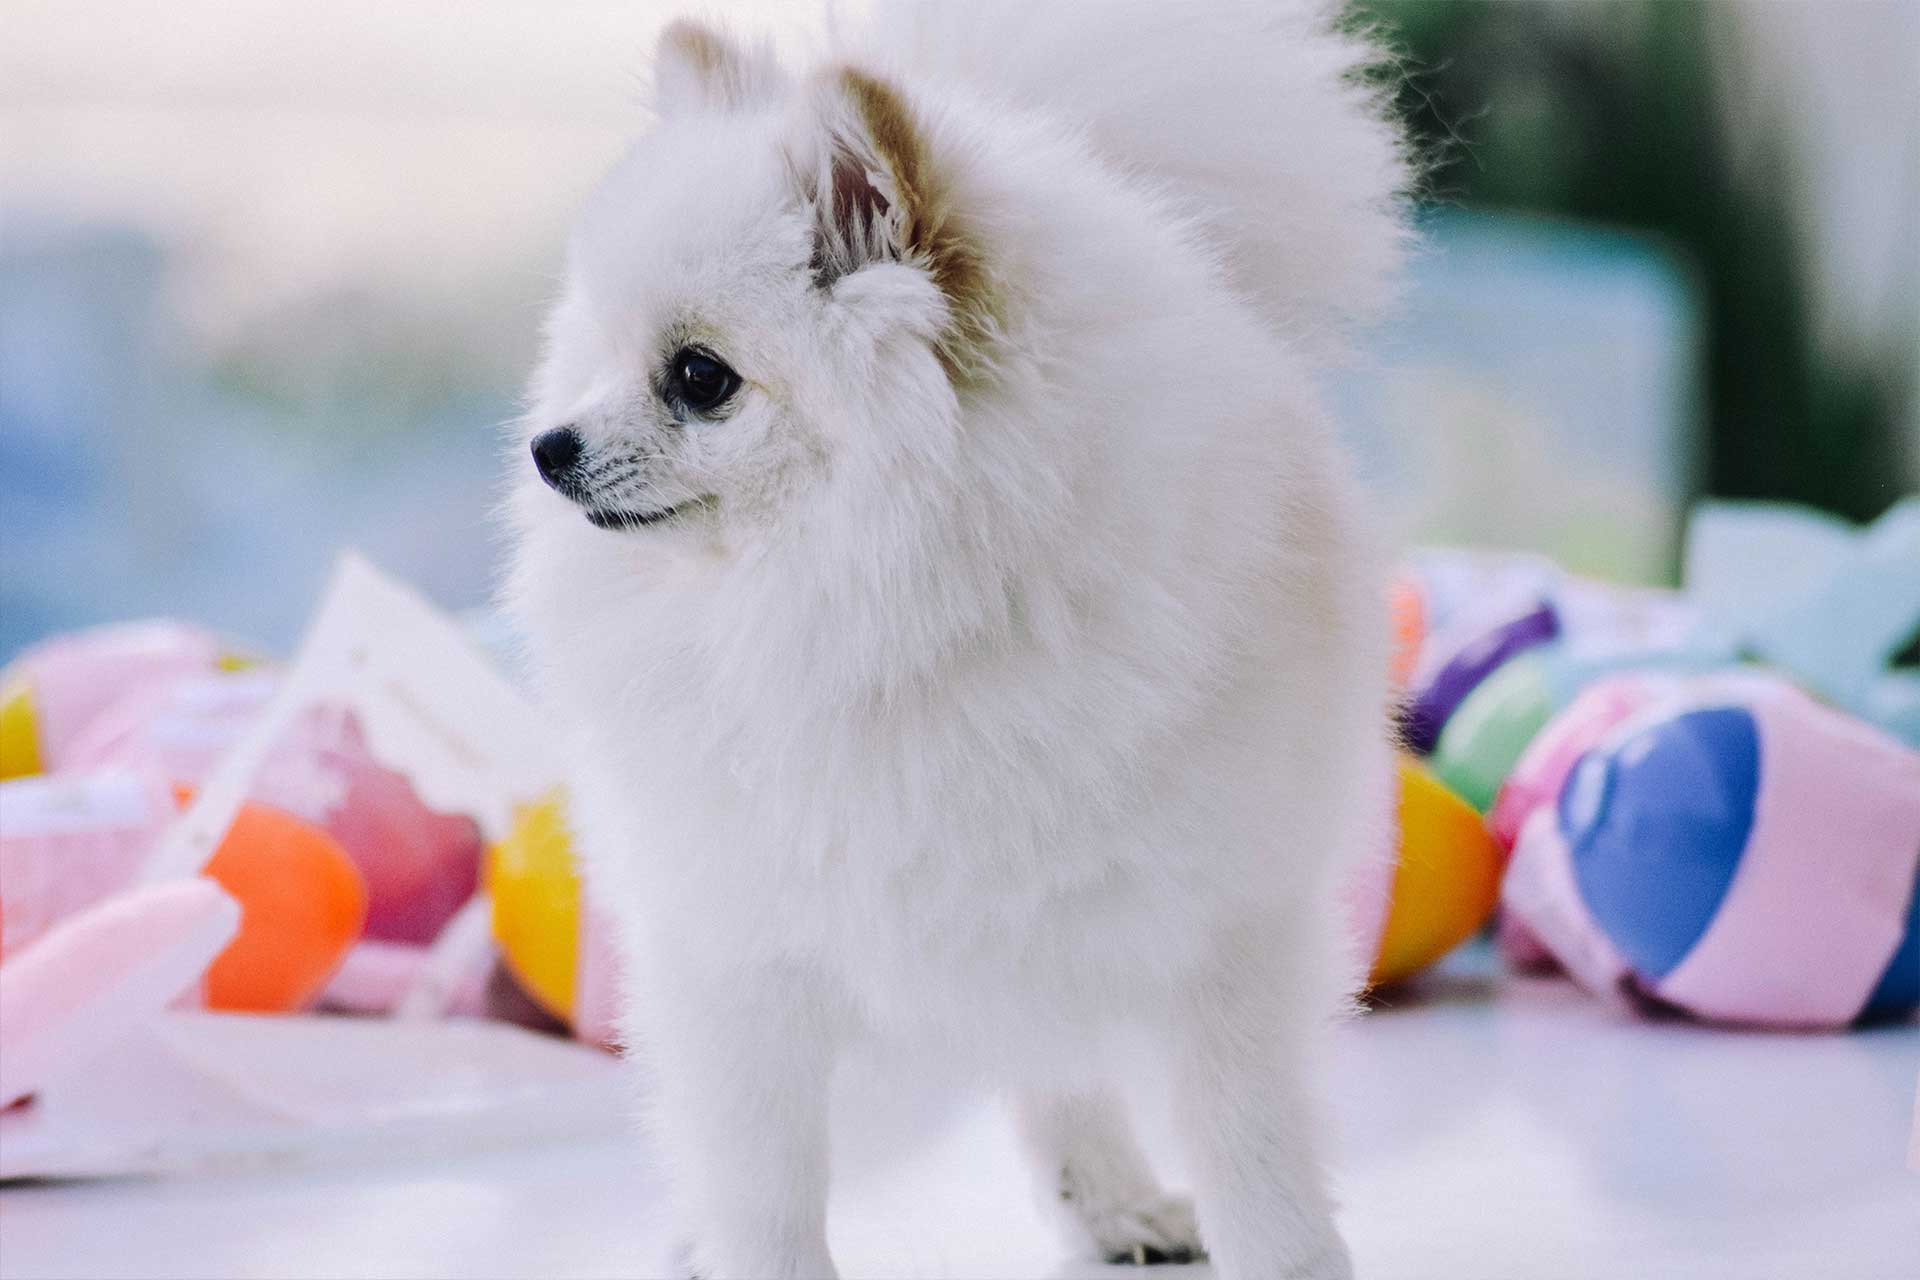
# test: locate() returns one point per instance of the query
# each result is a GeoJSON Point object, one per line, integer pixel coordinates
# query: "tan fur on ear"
{"type": "Point", "coordinates": [910, 213]}
{"type": "Point", "coordinates": [698, 68]}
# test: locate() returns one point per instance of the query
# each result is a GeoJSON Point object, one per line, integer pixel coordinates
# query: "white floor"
{"type": "Point", "coordinates": [1489, 1132]}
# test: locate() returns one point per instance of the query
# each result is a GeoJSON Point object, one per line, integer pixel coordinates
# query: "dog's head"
{"type": "Point", "coordinates": [775, 267]}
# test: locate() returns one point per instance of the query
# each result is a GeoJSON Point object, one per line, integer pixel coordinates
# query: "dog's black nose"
{"type": "Point", "coordinates": [555, 452]}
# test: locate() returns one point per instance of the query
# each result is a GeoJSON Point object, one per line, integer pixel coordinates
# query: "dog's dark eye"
{"type": "Point", "coordinates": [700, 382]}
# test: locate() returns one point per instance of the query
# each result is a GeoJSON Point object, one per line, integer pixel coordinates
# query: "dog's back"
{"type": "Point", "coordinates": [1260, 119]}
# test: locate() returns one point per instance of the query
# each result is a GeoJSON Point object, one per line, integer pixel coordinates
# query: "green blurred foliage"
{"type": "Point", "coordinates": [1603, 110]}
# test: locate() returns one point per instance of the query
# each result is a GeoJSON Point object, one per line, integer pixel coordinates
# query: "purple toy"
{"type": "Point", "coordinates": [1434, 702]}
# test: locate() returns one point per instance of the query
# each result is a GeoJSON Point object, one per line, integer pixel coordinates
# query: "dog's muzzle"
{"type": "Point", "coordinates": [556, 456]}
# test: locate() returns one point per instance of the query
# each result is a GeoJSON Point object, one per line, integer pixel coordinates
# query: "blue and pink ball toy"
{"type": "Point", "coordinates": [1724, 845]}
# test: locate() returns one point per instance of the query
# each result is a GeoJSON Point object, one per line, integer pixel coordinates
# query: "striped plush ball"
{"type": "Point", "coordinates": [1734, 849]}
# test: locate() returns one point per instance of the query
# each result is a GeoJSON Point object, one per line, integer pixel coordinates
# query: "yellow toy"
{"type": "Point", "coordinates": [553, 944]}
{"type": "Point", "coordinates": [19, 732]}
{"type": "Point", "coordinates": [536, 904]}
{"type": "Point", "coordinates": [1446, 877]}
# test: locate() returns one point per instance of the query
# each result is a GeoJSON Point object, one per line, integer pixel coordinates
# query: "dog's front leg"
{"type": "Point", "coordinates": [1239, 1053]}
{"type": "Point", "coordinates": [741, 1080]}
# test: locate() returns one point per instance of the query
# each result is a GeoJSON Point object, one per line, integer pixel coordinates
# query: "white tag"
{"type": "Point", "coordinates": [432, 707]}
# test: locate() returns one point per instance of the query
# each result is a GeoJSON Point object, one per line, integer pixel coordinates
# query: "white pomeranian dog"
{"type": "Point", "coordinates": [970, 640]}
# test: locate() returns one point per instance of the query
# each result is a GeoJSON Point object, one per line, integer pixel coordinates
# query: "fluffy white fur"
{"type": "Point", "coordinates": [1013, 670]}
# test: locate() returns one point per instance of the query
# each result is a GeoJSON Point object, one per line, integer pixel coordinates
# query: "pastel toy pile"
{"type": "Point", "coordinates": [334, 884]}
{"type": "Point", "coordinates": [1711, 797]}
{"type": "Point", "coordinates": [1704, 800]}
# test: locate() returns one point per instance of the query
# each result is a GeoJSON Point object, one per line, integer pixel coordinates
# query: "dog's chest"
{"type": "Point", "coordinates": [943, 881]}
{"type": "Point", "coordinates": [957, 939]}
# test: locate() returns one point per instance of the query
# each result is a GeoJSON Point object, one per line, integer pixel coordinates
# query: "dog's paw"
{"type": "Point", "coordinates": [1153, 1231]}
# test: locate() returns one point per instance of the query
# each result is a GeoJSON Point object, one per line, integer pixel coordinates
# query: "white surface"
{"type": "Point", "coordinates": [196, 1092]}
{"type": "Point", "coordinates": [1516, 1130]}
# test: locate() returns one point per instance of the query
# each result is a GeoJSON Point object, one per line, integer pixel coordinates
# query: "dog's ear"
{"type": "Point", "coordinates": [876, 194]}
{"type": "Point", "coordinates": [696, 68]}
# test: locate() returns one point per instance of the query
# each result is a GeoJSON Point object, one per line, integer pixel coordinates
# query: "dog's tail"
{"type": "Point", "coordinates": [1263, 119]}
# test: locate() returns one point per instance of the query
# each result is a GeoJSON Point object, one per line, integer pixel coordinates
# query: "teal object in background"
{"type": "Point", "coordinates": [1832, 603]}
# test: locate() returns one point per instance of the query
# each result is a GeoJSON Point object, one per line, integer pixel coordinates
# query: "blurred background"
{"type": "Point", "coordinates": [271, 275]}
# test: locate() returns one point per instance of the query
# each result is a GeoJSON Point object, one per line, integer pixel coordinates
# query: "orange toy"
{"type": "Point", "coordinates": [302, 904]}
{"type": "Point", "coordinates": [1445, 882]}
{"type": "Point", "coordinates": [1408, 610]}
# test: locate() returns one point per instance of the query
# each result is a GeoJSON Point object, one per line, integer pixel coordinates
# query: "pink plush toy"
{"type": "Point", "coordinates": [1727, 846]}
{"type": "Point", "coordinates": [99, 973]}
{"type": "Point", "coordinates": [68, 842]}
